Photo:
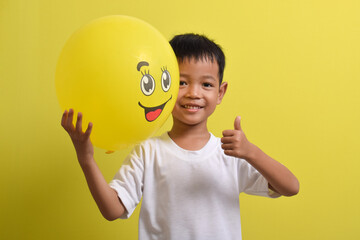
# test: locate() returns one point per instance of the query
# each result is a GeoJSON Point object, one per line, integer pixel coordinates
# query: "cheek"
{"type": "Point", "coordinates": [180, 94]}
{"type": "Point", "coordinates": [214, 98]}
{"type": "Point", "coordinates": [177, 103]}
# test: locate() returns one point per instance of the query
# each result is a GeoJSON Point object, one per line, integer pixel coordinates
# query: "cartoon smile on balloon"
{"type": "Point", "coordinates": [147, 85]}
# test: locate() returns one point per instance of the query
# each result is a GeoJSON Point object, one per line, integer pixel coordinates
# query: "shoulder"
{"type": "Point", "coordinates": [153, 141]}
{"type": "Point", "coordinates": [149, 146]}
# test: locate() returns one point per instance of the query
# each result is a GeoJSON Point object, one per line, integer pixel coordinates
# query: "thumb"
{"type": "Point", "coordinates": [237, 125]}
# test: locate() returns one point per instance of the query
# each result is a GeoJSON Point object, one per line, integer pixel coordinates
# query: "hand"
{"type": "Point", "coordinates": [80, 139]}
{"type": "Point", "coordinates": [235, 142]}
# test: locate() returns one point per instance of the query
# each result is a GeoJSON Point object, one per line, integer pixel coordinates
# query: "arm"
{"type": "Point", "coordinates": [105, 197]}
{"type": "Point", "coordinates": [279, 177]}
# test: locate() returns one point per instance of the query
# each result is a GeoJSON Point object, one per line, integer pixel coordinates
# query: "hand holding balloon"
{"type": "Point", "coordinates": [81, 140]}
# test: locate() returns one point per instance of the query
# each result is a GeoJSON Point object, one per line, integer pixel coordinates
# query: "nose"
{"type": "Point", "coordinates": [193, 91]}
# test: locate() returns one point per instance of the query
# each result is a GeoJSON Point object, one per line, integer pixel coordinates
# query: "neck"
{"type": "Point", "coordinates": [189, 137]}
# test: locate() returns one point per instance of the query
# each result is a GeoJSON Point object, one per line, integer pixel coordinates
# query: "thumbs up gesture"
{"type": "Point", "coordinates": [235, 143]}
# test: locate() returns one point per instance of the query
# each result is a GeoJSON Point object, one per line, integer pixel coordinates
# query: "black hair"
{"type": "Point", "coordinates": [199, 47]}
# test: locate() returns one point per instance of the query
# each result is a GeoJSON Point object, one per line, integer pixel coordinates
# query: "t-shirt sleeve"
{"type": "Point", "coordinates": [128, 181]}
{"type": "Point", "coordinates": [252, 182]}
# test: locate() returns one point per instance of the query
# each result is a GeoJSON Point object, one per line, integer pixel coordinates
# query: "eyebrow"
{"type": "Point", "coordinates": [209, 77]}
{"type": "Point", "coordinates": [141, 64]}
{"type": "Point", "coordinates": [203, 77]}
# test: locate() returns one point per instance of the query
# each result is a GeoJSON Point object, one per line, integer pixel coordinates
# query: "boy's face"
{"type": "Point", "coordinates": [199, 91]}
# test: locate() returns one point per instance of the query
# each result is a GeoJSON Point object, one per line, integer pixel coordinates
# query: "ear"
{"type": "Point", "coordinates": [222, 91]}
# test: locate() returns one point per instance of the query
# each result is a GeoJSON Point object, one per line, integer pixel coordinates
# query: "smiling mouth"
{"type": "Point", "coordinates": [152, 113]}
{"type": "Point", "coordinates": [191, 107]}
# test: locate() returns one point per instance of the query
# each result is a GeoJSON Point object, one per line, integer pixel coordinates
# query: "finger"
{"type": "Point", "coordinates": [228, 133]}
{"type": "Point", "coordinates": [230, 153]}
{"type": "Point", "coordinates": [69, 119]}
{"type": "Point", "coordinates": [88, 130]}
{"type": "Point", "coordinates": [237, 125]}
{"type": "Point", "coordinates": [63, 119]}
{"type": "Point", "coordinates": [229, 149]}
{"type": "Point", "coordinates": [79, 122]}
{"type": "Point", "coordinates": [227, 146]}
{"type": "Point", "coordinates": [227, 139]}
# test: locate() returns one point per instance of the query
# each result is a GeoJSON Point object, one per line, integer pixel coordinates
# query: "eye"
{"type": "Point", "coordinates": [182, 83]}
{"type": "Point", "coordinates": [207, 85]}
{"type": "Point", "coordinates": [165, 80]}
{"type": "Point", "coordinates": [147, 84]}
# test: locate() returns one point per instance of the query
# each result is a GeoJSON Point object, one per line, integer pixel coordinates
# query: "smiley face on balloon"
{"type": "Point", "coordinates": [124, 83]}
{"type": "Point", "coordinates": [147, 85]}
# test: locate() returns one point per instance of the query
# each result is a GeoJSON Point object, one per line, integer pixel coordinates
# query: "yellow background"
{"type": "Point", "coordinates": [293, 73]}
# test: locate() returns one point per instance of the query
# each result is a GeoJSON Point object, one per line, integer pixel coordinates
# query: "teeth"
{"type": "Point", "coordinates": [191, 107]}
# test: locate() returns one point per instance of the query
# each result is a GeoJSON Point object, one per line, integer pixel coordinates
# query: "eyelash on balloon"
{"type": "Point", "coordinates": [144, 73]}
{"type": "Point", "coordinates": [163, 69]}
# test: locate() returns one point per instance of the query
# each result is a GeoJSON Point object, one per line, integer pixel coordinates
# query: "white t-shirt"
{"type": "Point", "coordinates": [186, 194]}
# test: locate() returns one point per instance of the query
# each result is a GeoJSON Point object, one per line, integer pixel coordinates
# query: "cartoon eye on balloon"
{"type": "Point", "coordinates": [165, 80]}
{"type": "Point", "coordinates": [95, 75]}
{"type": "Point", "coordinates": [147, 85]}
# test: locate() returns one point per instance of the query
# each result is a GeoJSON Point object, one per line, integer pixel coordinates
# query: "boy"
{"type": "Point", "coordinates": [189, 180]}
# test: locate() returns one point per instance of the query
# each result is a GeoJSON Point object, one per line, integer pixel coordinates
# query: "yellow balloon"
{"type": "Point", "coordinates": [122, 74]}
